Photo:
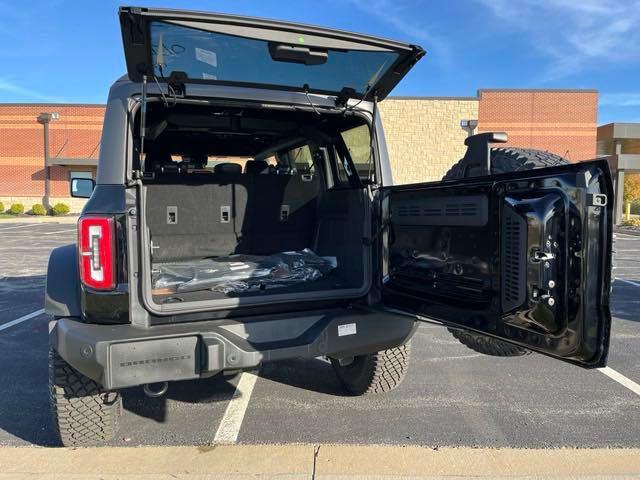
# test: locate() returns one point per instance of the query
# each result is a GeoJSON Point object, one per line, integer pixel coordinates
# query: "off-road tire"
{"type": "Point", "coordinates": [510, 159]}
{"type": "Point", "coordinates": [503, 160]}
{"type": "Point", "coordinates": [376, 373]}
{"type": "Point", "coordinates": [83, 412]}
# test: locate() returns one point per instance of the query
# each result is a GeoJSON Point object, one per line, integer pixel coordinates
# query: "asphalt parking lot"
{"type": "Point", "coordinates": [451, 396]}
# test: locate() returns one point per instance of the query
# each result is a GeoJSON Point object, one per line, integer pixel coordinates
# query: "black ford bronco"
{"type": "Point", "coordinates": [244, 212]}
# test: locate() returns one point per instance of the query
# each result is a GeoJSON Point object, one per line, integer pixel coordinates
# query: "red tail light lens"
{"type": "Point", "coordinates": [96, 251]}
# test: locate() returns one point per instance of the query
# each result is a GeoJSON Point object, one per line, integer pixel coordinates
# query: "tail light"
{"type": "Point", "coordinates": [96, 247]}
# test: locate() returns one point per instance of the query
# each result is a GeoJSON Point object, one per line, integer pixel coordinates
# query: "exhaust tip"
{"type": "Point", "coordinates": [155, 390]}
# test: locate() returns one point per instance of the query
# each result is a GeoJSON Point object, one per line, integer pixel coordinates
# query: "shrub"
{"type": "Point", "coordinates": [16, 209]}
{"type": "Point", "coordinates": [634, 222]}
{"type": "Point", "coordinates": [38, 209]}
{"type": "Point", "coordinates": [1, 207]}
{"type": "Point", "coordinates": [60, 209]}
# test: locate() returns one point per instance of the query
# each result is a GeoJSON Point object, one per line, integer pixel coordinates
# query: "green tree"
{"type": "Point", "coordinates": [631, 188]}
{"type": "Point", "coordinates": [631, 195]}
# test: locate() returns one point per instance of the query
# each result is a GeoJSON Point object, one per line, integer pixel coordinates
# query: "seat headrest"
{"type": "Point", "coordinates": [228, 167]}
{"type": "Point", "coordinates": [161, 162]}
{"type": "Point", "coordinates": [158, 157]}
{"type": "Point", "coordinates": [197, 160]}
{"type": "Point", "coordinates": [256, 167]}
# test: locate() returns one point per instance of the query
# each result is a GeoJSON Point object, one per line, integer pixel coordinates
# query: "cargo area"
{"type": "Point", "coordinates": [246, 203]}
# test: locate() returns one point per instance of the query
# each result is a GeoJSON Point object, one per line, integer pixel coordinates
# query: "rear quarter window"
{"type": "Point", "coordinates": [358, 142]}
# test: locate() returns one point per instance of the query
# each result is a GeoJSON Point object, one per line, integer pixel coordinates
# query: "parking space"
{"type": "Point", "coordinates": [24, 252]}
{"type": "Point", "coordinates": [451, 396]}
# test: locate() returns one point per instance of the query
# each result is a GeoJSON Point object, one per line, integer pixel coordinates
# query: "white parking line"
{"type": "Point", "coordinates": [59, 231]}
{"type": "Point", "coordinates": [628, 281]}
{"type": "Point", "coordinates": [26, 317]}
{"type": "Point", "coordinates": [234, 415]}
{"type": "Point", "coordinates": [621, 379]}
{"type": "Point", "coordinates": [19, 226]}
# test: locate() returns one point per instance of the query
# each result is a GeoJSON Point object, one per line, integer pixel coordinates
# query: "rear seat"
{"type": "Point", "coordinates": [282, 212]}
{"type": "Point", "coordinates": [192, 216]}
{"type": "Point", "coordinates": [218, 214]}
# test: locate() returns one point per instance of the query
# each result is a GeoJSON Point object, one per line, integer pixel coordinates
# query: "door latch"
{"type": "Point", "coordinates": [540, 256]}
{"type": "Point", "coordinates": [596, 200]}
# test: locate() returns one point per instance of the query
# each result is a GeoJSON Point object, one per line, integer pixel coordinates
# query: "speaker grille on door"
{"type": "Point", "coordinates": [470, 210]}
{"type": "Point", "coordinates": [461, 209]}
{"type": "Point", "coordinates": [409, 211]}
{"type": "Point", "coordinates": [514, 238]}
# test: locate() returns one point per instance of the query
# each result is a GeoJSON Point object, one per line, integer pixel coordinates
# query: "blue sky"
{"type": "Point", "coordinates": [70, 51]}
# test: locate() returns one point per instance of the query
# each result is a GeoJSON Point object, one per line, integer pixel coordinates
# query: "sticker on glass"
{"type": "Point", "coordinates": [207, 56]}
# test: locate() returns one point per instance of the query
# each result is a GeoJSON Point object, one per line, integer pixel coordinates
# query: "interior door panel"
{"type": "Point", "coordinates": [524, 257]}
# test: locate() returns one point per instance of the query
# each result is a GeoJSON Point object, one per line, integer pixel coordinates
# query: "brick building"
{"type": "Point", "coordinates": [423, 135]}
{"type": "Point", "coordinates": [74, 140]}
{"type": "Point", "coordinates": [561, 121]}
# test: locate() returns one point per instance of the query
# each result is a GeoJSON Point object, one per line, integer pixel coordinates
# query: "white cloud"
{"type": "Point", "coordinates": [22, 92]}
{"type": "Point", "coordinates": [401, 17]}
{"type": "Point", "coordinates": [394, 14]}
{"type": "Point", "coordinates": [573, 34]}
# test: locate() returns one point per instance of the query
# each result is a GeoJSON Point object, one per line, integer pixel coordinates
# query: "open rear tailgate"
{"type": "Point", "coordinates": [245, 51]}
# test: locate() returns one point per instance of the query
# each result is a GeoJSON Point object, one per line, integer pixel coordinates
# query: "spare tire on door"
{"type": "Point", "coordinates": [503, 160]}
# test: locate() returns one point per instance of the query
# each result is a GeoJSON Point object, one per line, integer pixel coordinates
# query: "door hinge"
{"type": "Point", "coordinates": [343, 97]}
{"type": "Point", "coordinates": [178, 80]}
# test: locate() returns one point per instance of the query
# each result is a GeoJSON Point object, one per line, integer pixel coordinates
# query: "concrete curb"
{"type": "Point", "coordinates": [73, 219]}
{"type": "Point", "coordinates": [333, 462]}
{"type": "Point", "coordinates": [627, 231]}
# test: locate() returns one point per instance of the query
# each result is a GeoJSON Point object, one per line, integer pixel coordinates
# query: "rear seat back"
{"type": "Point", "coordinates": [282, 212]}
{"type": "Point", "coordinates": [215, 214]}
{"type": "Point", "coordinates": [196, 217]}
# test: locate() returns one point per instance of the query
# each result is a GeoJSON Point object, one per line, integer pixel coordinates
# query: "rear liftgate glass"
{"type": "Point", "coordinates": [198, 47]}
{"type": "Point", "coordinates": [524, 257]}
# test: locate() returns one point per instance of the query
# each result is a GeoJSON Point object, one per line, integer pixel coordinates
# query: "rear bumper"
{"type": "Point", "coordinates": [120, 356]}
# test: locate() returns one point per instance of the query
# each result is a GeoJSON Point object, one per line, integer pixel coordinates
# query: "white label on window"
{"type": "Point", "coordinates": [207, 56]}
{"type": "Point", "coordinates": [346, 329]}
{"type": "Point", "coordinates": [208, 76]}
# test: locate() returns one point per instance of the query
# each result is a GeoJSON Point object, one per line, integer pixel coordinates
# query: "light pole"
{"type": "Point", "coordinates": [469, 126]}
{"type": "Point", "coordinates": [44, 119]}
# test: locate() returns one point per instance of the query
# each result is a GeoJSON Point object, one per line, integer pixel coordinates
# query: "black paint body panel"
{"type": "Point", "coordinates": [536, 271]}
{"type": "Point", "coordinates": [123, 355]}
